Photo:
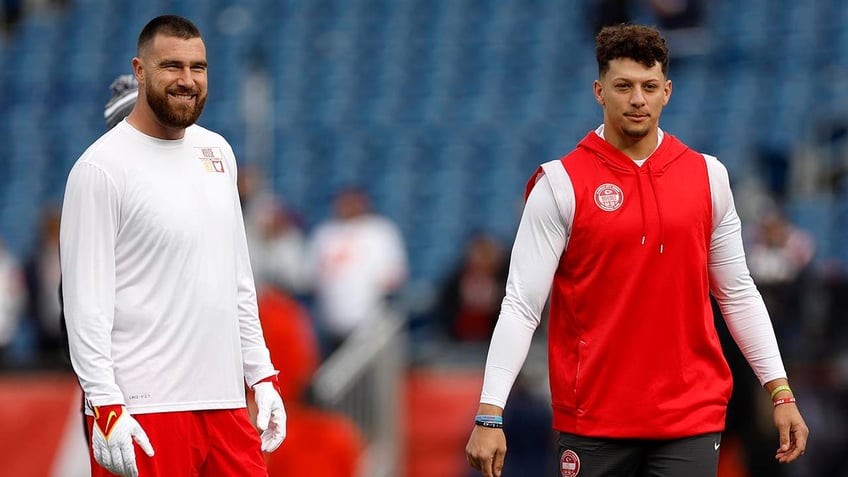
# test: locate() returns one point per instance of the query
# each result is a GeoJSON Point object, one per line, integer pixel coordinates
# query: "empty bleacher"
{"type": "Point", "coordinates": [440, 108]}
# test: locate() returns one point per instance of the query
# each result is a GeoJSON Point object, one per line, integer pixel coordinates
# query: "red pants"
{"type": "Point", "coordinates": [220, 443]}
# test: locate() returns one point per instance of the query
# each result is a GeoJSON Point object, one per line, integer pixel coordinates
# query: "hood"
{"type": "Point", "coordinates": [669, 150]}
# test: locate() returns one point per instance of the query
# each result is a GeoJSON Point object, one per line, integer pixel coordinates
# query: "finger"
{"type": "Point", "coordinates": [271, 440]}
{"type": "Point", "coordinates": [262, 417]}
{"type": "Point", "coordinates": [106, 458]}
{"type": "Point", "coordinates": [125, 460]}
{"type": "Point", "coordinates": [801, 438]}
{"type": "Point", "coordinates": [98, 454]}
{"type": "Point", "coordinates": [486, 467]}
{"type": "Point", "coordinates": [279, 419]}
{"type": "Point", "coordinates": [140, 438]}
{"type": "Point", "coordinates": [498, 463]}
{"type": "Point", "coordinates": [786, 457]}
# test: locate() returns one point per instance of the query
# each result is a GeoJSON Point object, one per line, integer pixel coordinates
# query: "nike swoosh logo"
{"type": "Point", "coordinates": [717, 445]}
{"type": "Point", "coordinates": [107, 429]}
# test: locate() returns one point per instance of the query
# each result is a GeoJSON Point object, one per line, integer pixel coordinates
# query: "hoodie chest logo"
{"type": "Point", "coordinates": [609, 197]}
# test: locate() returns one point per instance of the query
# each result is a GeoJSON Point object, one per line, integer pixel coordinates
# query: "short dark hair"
{"type": "Point", "coordinates": [642, 44]}
{"type": "Point", "coordinates": [169, 25]}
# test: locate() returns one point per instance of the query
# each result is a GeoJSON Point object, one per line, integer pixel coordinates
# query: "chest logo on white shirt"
{"type": "Point", "coordinates": [211, 158]}
{"type": "Point", "coordinates": [609, 197]}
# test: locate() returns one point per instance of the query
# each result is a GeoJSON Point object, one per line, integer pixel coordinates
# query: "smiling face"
{"type": "Point", "coordinates": [633, 96]}
{"type": "Point", "coordinates": [173, 83]}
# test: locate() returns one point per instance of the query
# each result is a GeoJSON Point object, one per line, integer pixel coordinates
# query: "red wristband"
{"type": "Point", "coordinates": [105, 417]}
{"type": "Point", "coordinates": [273, 380]}
{"type": "Point", "coordinates": [789, 400]}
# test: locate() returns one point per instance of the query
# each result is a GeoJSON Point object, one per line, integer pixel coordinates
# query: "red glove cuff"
{"type": "Point", "coordinates": [105, 417]}
{"type": "Point", "coordinates": [273, 380]}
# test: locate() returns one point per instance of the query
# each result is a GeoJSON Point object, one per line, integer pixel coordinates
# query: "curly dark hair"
{"type": "Point", "coordinates": [642, 44]}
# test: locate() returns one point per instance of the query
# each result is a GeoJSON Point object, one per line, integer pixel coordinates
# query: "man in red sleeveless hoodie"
{"type": "Point", "coordinates": [629, 234]}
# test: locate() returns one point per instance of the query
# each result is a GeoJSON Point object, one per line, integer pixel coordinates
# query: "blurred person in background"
{"type": "Point", "coordinates": [778, 251]}
{"type": "Point", "coordinates": [471, 296]}
{"type": "Point", "coordinates": [124, 89]}
{"type": "Point", "coordinates": [158, 293]}
{"type": "Point", "coordinates": [630, 234]}
{"type": "Point", "coordinates": [780, 256]}
{"type": "Point", "coordinates": [44, 306]}
{"type": "Point", "coordinates": [277, 244]}
{"type": "Point", "coordinates": [12, 298]}
{"type": "Point", "coordinates": [357, 259]}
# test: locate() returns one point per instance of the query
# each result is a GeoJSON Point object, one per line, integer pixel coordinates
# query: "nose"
{"type": "Point", "coordinates": [185, 78]}
{"type": "Point", "coordinates": [637, 99]}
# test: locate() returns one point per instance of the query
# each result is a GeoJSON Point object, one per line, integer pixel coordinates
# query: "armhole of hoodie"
{"type": "Point", "coordinates": [563, 192]}
{"type": "Point", "coordinates": [720, 198]}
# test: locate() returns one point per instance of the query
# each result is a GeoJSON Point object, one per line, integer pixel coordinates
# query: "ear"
{"type": "Point", "coordinates": [138, 69]}
{"type": "Point", "coordinates": [667, 92]}
{"type": "Point", "coordinates": [598, 90]}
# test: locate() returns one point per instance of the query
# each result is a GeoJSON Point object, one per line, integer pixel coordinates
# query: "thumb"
{"type": "Point", "coordinates": [784, 438]}
{"type": "Point", "coordinates": [140, 438]}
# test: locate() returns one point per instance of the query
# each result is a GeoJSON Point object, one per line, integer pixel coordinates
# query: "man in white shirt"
{"type": "Point", "coordinates": [357, 259]}
{"type": "Point", "coordinates": [158, 292]}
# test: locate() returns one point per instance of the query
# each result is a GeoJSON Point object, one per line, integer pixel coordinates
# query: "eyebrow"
{"type": "Point", "coordinates": [171, 62]}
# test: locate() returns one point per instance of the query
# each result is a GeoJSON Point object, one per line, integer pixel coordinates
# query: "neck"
{"type": "Point", "coordinates": [633, 147]}
{"type": "Point", "coordinates": [143, 119]}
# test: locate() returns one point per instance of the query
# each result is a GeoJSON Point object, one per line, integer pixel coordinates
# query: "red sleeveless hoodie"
{"type": "Point", "coordinates": [633, 351]}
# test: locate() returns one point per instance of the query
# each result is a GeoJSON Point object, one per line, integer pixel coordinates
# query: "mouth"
{"type": "Point", "coordinates": [183, 97]}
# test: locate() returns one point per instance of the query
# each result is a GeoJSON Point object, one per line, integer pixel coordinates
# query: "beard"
{"type": "Point", "coordinates": [635, 133]}
{"type": "Point", "coordinates": [178, 116]}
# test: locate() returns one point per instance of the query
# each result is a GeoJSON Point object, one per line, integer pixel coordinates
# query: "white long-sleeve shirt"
{"type": "Point", "coordinates": [541, 240]}
{"type": "Point", "coordinates": [157, 286]}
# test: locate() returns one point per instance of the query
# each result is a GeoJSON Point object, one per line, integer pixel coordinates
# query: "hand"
{"type": "Point", "coordinates": [270, 415]}
{"type": "Point", "coordinates": [112, 440]}
{"type": "Point", "coordinates": [793, 433]}
{"type": "Point", "coordinates": [486, 450]}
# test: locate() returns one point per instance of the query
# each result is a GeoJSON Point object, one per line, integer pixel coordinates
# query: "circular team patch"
{"type": "Point", "coordinates": [569, 464]}
{"type": "Point", "coordinates": [609, 197]}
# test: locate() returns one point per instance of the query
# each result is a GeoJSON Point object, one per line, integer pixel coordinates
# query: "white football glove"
{"type": "Point", "coordinates": [112, 440]}
{"type": "Point", "coordinates": [270, 414]}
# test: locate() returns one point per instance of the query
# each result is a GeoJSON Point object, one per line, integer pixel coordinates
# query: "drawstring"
{"type": "Point", "coordinates": [659, 209]}
{"type": "Point", "coordinates": [641, 203]}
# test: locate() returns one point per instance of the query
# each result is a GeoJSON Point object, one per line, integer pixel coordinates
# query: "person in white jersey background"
{"type": "Point", "coordinates": [630, 234]}
{"type": "Point", "coordinates": [158, 292]}
{"type": "Point", "coordinates": [356, 259]}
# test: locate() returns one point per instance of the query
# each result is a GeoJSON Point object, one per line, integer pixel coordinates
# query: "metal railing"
{"type": "Point", "coordinates": [363, 380]}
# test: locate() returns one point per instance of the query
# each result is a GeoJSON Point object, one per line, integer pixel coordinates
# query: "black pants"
{"type": "Point", "coordinates": [695, 456]}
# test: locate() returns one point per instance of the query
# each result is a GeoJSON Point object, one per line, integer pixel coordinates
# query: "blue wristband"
{"type": "Point", "coordinates": [485, 420]}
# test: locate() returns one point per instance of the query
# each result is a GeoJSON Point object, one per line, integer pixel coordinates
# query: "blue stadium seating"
{"type": "Point", "coordinates": [441, 108]}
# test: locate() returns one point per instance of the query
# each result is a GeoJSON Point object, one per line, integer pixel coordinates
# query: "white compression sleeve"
{"type": "Point", "coordinates": [539, 243]}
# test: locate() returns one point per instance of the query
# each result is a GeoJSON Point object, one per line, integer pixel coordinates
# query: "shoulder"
{"type": "Point", "coordinates": [199, 135]}
{"type": "Point", "coordinates": [105, 153]}
{"type": "Point", "coordinates": [380, 224]}
{"type": "Point", "coordinates": [715, 168]}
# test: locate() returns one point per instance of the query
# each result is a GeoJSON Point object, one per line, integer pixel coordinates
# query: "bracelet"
{"type": "Point", "coordinates": [789, 400]}
{"type": "Point", "coordinates": [776, 390]}
{"type": "Point", "coordinates": [492, 421]}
